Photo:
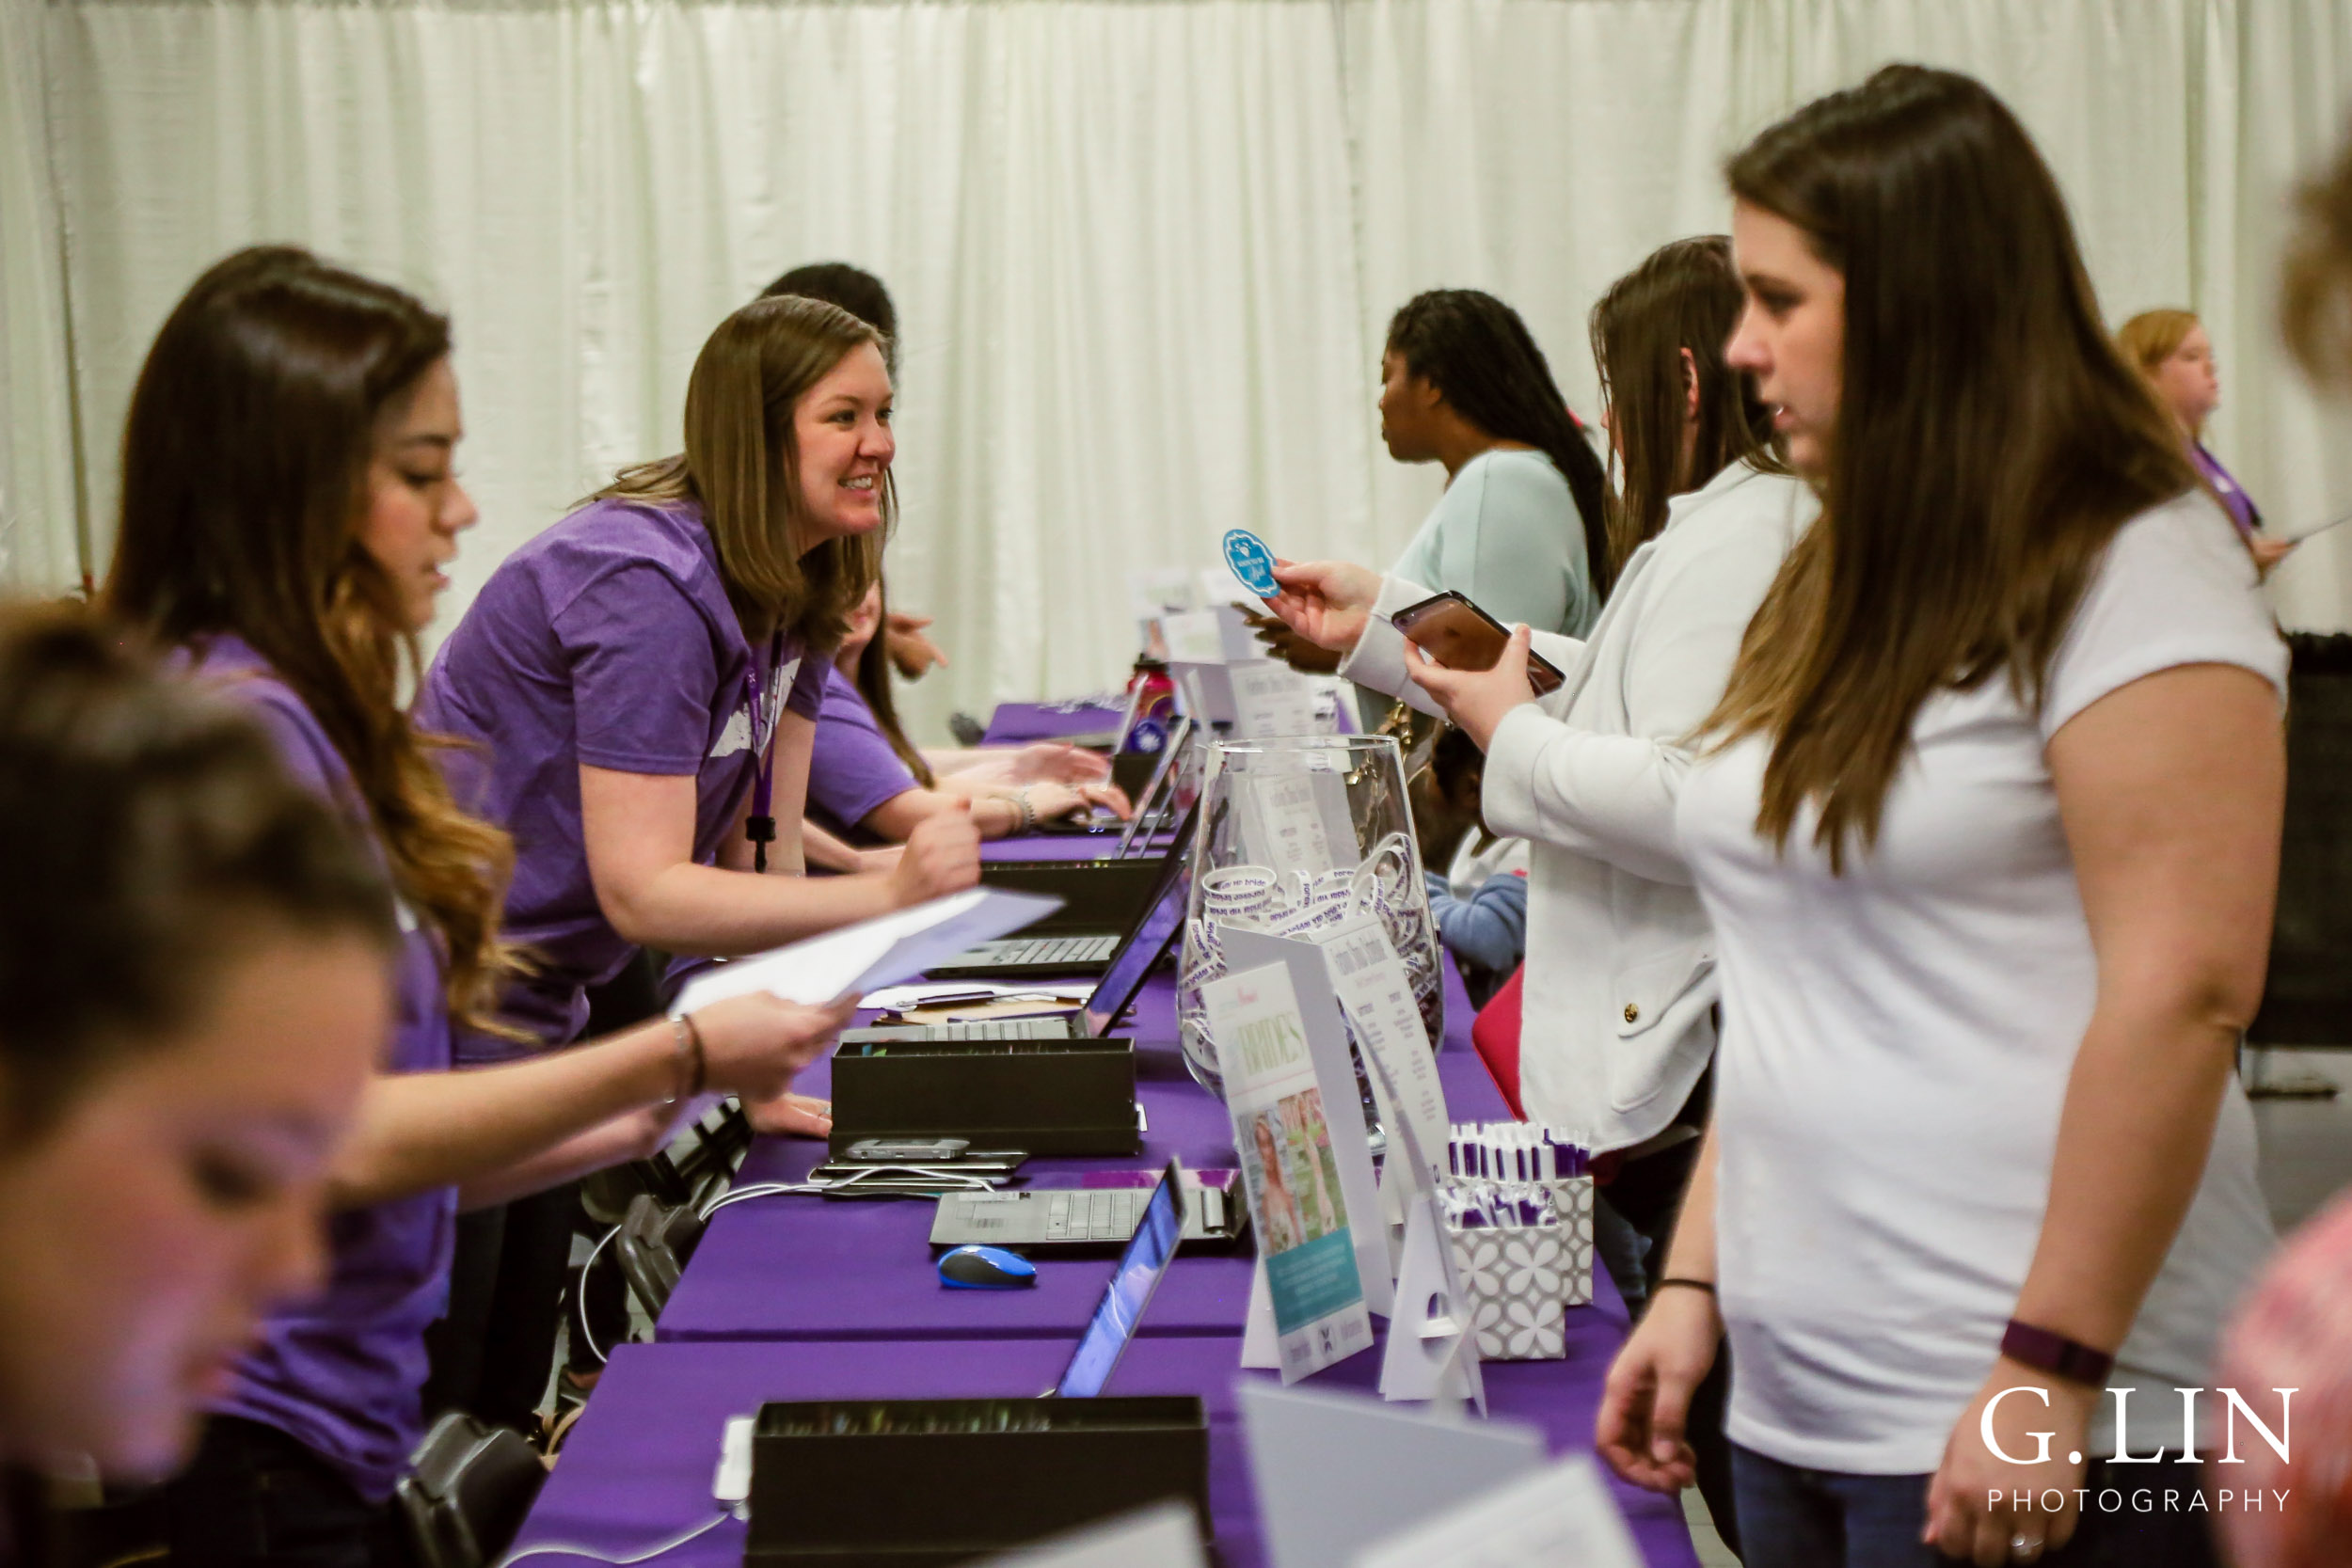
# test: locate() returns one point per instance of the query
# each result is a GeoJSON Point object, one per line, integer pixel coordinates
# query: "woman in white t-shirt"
{"type": "Point", "coordinates": [1987, 832]}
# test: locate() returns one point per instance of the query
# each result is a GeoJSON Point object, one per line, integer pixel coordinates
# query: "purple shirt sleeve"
{"type": "Point", "coordinates": [851, 769]}
{"type": "Point", "coordinates": [642, 668]}
{"type": "Point", "coordinates": [809, 685]}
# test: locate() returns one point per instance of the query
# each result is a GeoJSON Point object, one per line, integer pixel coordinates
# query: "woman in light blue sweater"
{"type": "Point", "coordinates": [1521, 530]}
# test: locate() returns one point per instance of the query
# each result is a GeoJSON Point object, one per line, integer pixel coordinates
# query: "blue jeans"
{"type": "Point", "coordinates": [1796, 1519]}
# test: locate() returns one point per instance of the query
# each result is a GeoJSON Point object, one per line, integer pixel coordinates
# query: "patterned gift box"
{"type": "Point", "coordinates": [1522, 1282]}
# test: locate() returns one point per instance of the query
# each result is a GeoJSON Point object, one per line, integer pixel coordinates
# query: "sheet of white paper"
{"type": "Point", "coordinates": [1288, 1130]}
{"type": "Point", "coordinates": [1377, 994]}
{"type": "Point", "coordinates": [1562, 1514]}
{"type": "Point", "coordinates": [1271, 698]}
{"type": "Point", "coordinates": [1335, 1070]}
{"type": "Point", "coordinates": [1286, 825]}
{"type": "Point", "coordinates": [1193, 636]}
{"type": "Point", "coordinates": [897, 998]}
{"type": "Point", "coordinates": [1337, 1472]}
{"type": "Point", "coordinates": [871, 954]}
{"type": "Point", "coordinates": [1166, 1535]}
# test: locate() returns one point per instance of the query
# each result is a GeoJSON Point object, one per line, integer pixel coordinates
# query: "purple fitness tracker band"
{"type": "Point", "coordinates": [2055, 1353]}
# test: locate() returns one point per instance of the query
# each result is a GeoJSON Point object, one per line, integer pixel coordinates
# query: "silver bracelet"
{"type": "Point", "coordinates": [682, 1037]}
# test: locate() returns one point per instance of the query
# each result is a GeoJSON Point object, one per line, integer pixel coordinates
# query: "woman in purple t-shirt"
{"type": "Point", "coordinates": [193, 959]}
{"type": "Point", "coordinates": [644, 678]}
{"type": "Point", "coordinates": [869, 785]}
{"type": "Point", "coordinates": [287, 504]}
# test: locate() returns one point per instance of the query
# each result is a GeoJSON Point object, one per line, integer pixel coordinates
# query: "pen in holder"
{"type": "Point", "coordinates": [1524, 1250]}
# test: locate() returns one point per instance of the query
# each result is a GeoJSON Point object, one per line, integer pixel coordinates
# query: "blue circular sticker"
{"type": "Point", "coordinates": [1251, 562]}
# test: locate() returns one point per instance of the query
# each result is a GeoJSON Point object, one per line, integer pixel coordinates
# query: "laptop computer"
{"type": "Point", "coordinates": [1070, 1218]}
{"type": "Point", "coordinates": [1143, 947]}
{"type": "Point", "coordinates": [1153, 800]}
{"type": "Point", "coordinates": [1072, 944]}
{"type": "Point", "coordinates": [1134, 1279]}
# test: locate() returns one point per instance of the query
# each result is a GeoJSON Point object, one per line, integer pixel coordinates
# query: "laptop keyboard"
{"type": "Point", "coordinates": [1056, 950]}
{"type": "Point", "coordinates": [1104, 1215]}
{"type": "Point", "coordinates": [1001, 1029]}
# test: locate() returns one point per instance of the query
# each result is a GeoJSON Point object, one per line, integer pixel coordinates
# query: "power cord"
{"type": "Point", "coordinates": [588, 1335]}
{"type": "Point", "coordinates": [558, 1548]}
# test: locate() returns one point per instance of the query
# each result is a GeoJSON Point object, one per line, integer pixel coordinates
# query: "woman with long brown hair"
{"type": "Point", "coordinates": [640, 686]}
{"type": "Point", "coordinates": [1987, 827]}
{"type": "Point", "coordinates": [287, 503]}
{"type": "Point", "coordinates": [1617, 1022]}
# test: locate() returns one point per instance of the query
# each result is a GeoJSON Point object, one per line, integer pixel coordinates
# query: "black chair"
{"type": "Point", "coordinates": [656, 1243]}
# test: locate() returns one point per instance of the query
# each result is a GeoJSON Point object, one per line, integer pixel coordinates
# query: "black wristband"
{"type": "Point", "coordinates": [2055, 1353]}
{"type": "Point", "coordinates": [1686, 1284]}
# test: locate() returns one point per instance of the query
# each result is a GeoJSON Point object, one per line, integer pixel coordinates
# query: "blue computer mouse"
{"type": "Point", "coordinates": [985, 1267]}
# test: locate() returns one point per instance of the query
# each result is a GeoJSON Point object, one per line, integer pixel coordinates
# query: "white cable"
{"type": "Point", "coordinates": [587, 1335]}
{"type": "Point", "coordinates": [758, 1188]}
{"type": "Point", "coordinates": [558, 1548]}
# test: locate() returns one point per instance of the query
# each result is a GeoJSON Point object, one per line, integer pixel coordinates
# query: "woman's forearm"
{"type": "Point", "coordinates": [633, 1135]}
{"type": "Point", "coordinates": [2132, 1144]}
{"type": "Point", "coordinates": [1692, 1253]}
{"type": "Point", "coordinates": [419, 1130]}
{"type": "Point", "coordinates": [702, 912]}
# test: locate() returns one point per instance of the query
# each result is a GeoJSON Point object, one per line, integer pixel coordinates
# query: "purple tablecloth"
{"type": "Point", "coordinates": [798, 1267]}
{"type": "Point", "coordinates": [794, 1297]}
{"type": "Point", "coordinates": [1019, 722]}
{"type": "Point", "coordinates": [638, 1466]}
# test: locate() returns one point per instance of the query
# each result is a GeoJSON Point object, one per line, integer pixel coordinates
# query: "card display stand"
{"type": "Point", "coordinates": [1046, 1097]}
{"type": "Point", "coordinates": [910, 1484]}
{"type": "Point", "coordinates": [1520, 1282]}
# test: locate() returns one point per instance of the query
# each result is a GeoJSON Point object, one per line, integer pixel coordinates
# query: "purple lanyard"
{"type": "Point", "coordinates": [760, 827]}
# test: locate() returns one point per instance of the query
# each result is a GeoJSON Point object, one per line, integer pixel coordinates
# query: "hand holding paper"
{"type": "Point", "coordinates": [872, 953]}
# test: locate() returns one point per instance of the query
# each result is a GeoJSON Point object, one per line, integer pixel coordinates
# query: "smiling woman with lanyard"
{"type": "Point", "coordinates": [639, 685]}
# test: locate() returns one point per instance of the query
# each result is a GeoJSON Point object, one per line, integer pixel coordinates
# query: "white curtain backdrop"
{"type": "Point", "coordinates": [1144, 250]}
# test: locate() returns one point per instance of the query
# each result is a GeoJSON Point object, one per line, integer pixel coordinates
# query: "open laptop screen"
{"type": "Point", "coordinates": [1146, 941]}
{"type": "Point", "coordinates": [1159, 797]}
{"type": "Point", "coordinates": [1119, 1312]}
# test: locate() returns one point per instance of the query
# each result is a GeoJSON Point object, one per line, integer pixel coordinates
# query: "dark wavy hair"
{"type": "Point", "coordinates": [148, 831]}
{"type": "Point", "coordinates": [855, 290]}
{"type": "Point", "coordinates": [1482, 359]}
{"type": "Point", "coordinates": [245, 472]}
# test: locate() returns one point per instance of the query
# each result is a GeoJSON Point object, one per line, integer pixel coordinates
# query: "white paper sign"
{"type": "Point", "coordinates": [1377, 994]}
{"type": "Point", "coordinates": [1271, 698]}
{"type": "Point", "coordinates": [1166, 1535]}
{"type": "Point", "coordinates": [1337, 1472]}
{"type": "Point", "coordinates": [1194, 638]}
{"type": "Point", "coordinates": [1562, 1513]}
{"type": "Point", "coordinates": [1432, 1351]}
{"type": "Point", "coordinates": [1283, 1136]}
{"type": "Point", "coordinates": [1335, 1071]}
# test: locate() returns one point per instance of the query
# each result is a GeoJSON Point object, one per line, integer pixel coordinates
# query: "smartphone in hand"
{"type": "Point", "coordinates": [1461, 636]}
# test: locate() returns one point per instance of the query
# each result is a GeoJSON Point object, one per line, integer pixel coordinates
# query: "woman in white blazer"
{"type": "Point", "coordinates": [1619, 1024]}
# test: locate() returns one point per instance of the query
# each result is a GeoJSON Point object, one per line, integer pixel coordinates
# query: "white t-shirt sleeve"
{"type": "Point", "coordinates": [2177, 587]}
